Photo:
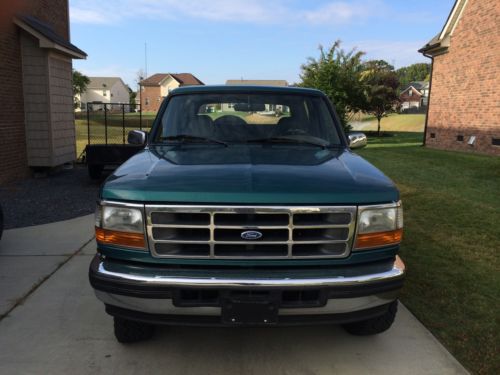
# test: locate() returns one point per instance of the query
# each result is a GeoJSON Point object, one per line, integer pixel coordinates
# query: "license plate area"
{"type": "Point", "coordinates": [250, 308]}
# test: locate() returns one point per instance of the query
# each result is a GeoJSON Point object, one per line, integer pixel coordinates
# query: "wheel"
{"type": "Point", "coordinates": [95, 171]}
{"type": "Point", "coordinates": [374, 325]}
{"type": "Point", "coordinates": [127, 331]}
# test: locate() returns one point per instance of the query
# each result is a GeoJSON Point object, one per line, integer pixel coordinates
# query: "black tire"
{"type": "Point", "coordinates": [95, 171]}
{"type": "Point", "coordinates": [128, 331]}
{"type": "Point", "coordinates": [376, 325]}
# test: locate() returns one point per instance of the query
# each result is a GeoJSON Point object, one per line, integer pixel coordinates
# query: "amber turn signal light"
{"type": "Point", "coordinates": [113, 237]}
{"type": "Point", "coordinates": [378, 239]}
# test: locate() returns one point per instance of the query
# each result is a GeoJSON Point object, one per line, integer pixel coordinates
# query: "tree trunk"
{"type": "Point", "coordinates": [378, 127]}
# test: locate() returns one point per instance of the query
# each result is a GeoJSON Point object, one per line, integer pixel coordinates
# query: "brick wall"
{"type": "Point", "coordinates": [151, 93]}
{"type": "Point", "coordinates": [13, 158]}
{"type": "Point", "coordinates": [463, 100]}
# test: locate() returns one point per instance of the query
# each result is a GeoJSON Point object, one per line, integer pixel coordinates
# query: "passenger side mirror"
{"type": "Point", "coordinates": [137, 137]}
{"type": "Point", "coordinates": [357, 140]}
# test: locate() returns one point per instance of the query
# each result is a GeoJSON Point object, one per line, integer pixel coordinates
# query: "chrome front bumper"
{"type": "Point", "coordinates": [150, 289]}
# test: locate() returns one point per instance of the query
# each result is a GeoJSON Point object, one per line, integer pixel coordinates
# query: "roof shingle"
{"type": "Point", "coordinates": [48, 32]}
{"type": "Point", "coordinates": [184, 79]}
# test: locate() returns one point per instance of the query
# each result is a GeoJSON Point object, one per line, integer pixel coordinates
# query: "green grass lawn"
{"type": "Point", "coordinates": [451, 243]}
{"type": "Point", "coordinates": [393, 123]}
{"type": "Point", "coordinates": [115, 129]}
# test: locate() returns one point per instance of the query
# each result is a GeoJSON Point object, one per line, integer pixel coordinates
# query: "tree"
{"type": "Point", "coordinates": [131, 97]}
{"type": "Point", "coordinates": [80, 82]}
{"type": "Point", "coordinates": [381, 89]}
{"type": "Point", "coordinates": [338, 74]}
{"type": "Point", "coordinates": [412, 73]}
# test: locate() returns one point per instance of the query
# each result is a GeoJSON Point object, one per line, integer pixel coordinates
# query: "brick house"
{"type": "Point", "coordinates": [464, 111]}
{"type": "Point", "coordinates": [156, 87]}
{"type": "Point", "coordinates": [37, 119]}
{"type": "Point", "coordinates": [415, 96]}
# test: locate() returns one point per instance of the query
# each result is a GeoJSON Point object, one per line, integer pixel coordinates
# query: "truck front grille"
{"type": "Point", "coordinates": [218, 231]}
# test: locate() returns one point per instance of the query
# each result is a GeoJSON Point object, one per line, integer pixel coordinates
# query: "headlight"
{"type": "Point", "coordinates": [379, 226]}
{"type": "Point", "coordinates": [121, 226]}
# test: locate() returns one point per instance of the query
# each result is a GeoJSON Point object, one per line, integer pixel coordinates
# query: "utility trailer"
{"type": "Point", "coordinates": [107, 126]}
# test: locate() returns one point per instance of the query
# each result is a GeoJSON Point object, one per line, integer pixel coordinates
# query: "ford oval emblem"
{"type": "Point", "coordinates": [251, 235]}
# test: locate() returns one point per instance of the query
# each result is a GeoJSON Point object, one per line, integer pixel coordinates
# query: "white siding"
{"type": "Point", "coordinates": [61, 109]}
{"type": "Point", "coordinates": [48, 105]}
{"type": "Point", "coordinates": [95, 95]}
{"type": "Point", "coordinates": [168, 85]}
{"type": "Point", "coordinates": [120, 93]}
{"type": "Point", "coordinates": [36, 104]}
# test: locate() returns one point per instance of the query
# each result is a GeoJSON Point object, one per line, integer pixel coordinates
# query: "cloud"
{"type": "Point", "coordinates": [234, 11]}
{"type": "Point", "coordinates": [340, 12]}
{"type": "Point", "coordinates": [397, 53]}
{"type": "Point", "coordinates": [79, 15]}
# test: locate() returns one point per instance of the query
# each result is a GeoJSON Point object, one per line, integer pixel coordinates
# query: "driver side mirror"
{"type": "Point", "coordinates": [137, 137]}
{"type": "Point", "coordinates": [357, 140]}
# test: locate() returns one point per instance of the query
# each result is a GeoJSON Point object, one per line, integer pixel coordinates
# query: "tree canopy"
{"type": "Point", "coordinates": [338, 74]}
{"type": "Point", "coordinates": [80, 82]}
{"type": "Point", "coordinates": [412, 73]}
{"type": "Point", "coordinates": [380, 83]}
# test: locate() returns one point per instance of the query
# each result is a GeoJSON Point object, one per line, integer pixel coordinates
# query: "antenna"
{"type": "Point", "coordinates": [146, 59]}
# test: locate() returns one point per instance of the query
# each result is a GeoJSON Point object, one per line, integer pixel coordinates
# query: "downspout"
{"type": "Point", "coordinates": [428, 99]}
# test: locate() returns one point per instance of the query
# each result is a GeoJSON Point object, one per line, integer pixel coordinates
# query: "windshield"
{"type": "Point", "coordinates": [247, 118]}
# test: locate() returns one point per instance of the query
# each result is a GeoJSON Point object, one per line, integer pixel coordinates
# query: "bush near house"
{"type": "Point", "coordinates": [451, 243]}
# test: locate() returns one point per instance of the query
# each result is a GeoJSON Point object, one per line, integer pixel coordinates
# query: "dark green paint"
{"type": "Point", "coordinates": [269, 174]}
{"type": "Point", "coordinates": [249, 174]}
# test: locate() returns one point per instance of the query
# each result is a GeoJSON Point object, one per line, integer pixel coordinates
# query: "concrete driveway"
{"type": "Point", "coordinates": [52, 324]}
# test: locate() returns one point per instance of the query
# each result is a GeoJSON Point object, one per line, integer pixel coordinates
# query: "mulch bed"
{"type": "Point", "coordinates": [62, 195]}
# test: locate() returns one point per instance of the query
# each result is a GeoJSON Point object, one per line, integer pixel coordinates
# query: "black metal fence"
{"type": "Point", "coordinates": [109, 123]}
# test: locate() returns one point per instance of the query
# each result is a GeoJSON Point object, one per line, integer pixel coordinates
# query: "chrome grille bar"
{"type": "Point", "coordinates": [174, 231]}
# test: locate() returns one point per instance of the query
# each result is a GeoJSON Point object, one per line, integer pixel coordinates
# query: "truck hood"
{"type": "Point", "coordinates": [249, 174]}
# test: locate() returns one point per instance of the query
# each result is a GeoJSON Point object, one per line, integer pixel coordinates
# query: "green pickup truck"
{"type": "Point", "coordinates": [247, 207]}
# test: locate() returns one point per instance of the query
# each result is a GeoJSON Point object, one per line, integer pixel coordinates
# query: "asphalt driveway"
{"type": "Point", "coordinates": [52, 323]}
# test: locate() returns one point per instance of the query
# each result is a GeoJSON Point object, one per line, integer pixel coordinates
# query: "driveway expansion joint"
{"type": "Point", "coordinates": [42, 280]}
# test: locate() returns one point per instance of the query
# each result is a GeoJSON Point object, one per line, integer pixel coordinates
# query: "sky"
{"type": "Point", "coordinates": [217, 40]}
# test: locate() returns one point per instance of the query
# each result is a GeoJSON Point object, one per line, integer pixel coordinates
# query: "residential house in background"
{"type": "Point", "coordinates": [268, 108]}
{"type": "Point", "coordinates": [257, 82]}
{"type": "Point", "coordinates": [104, 90]}
{"type": "Point", "coordinates": [37, 117]}
{"type": "Point", "coordinates": [415, 96]}
{"type": "Point", "coordinates": [464, 110]}
{"type": "Point", "coordinates": [156, 87]}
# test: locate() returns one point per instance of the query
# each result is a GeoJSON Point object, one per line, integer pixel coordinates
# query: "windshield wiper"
{"type": "Point", "coordinates": [192, 138]}
{"type": "Point", "coordinates": [289, 140]}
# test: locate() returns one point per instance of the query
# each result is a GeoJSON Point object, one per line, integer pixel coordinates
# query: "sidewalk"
{"type": "Point", "coordinates": [29, 255]}
{"type": "Point", "coordinates": [62, 328]}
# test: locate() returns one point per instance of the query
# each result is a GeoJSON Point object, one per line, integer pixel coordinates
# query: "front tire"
{"type": "Point", "coordinates": [128, 331]}
{"type": "Point", "coordinates": [376, 325]}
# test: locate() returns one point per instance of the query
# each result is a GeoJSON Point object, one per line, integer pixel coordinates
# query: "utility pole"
{"type": "Point", "coordinates": [146, 59]}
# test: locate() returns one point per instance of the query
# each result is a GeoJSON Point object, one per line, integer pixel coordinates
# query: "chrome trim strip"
{"type": "Point", "coordinates": [397, 272]}
{"type": "Point", "coordinates": [120, 204]}
{"type": "Point", "coordinates": [165, 306]}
